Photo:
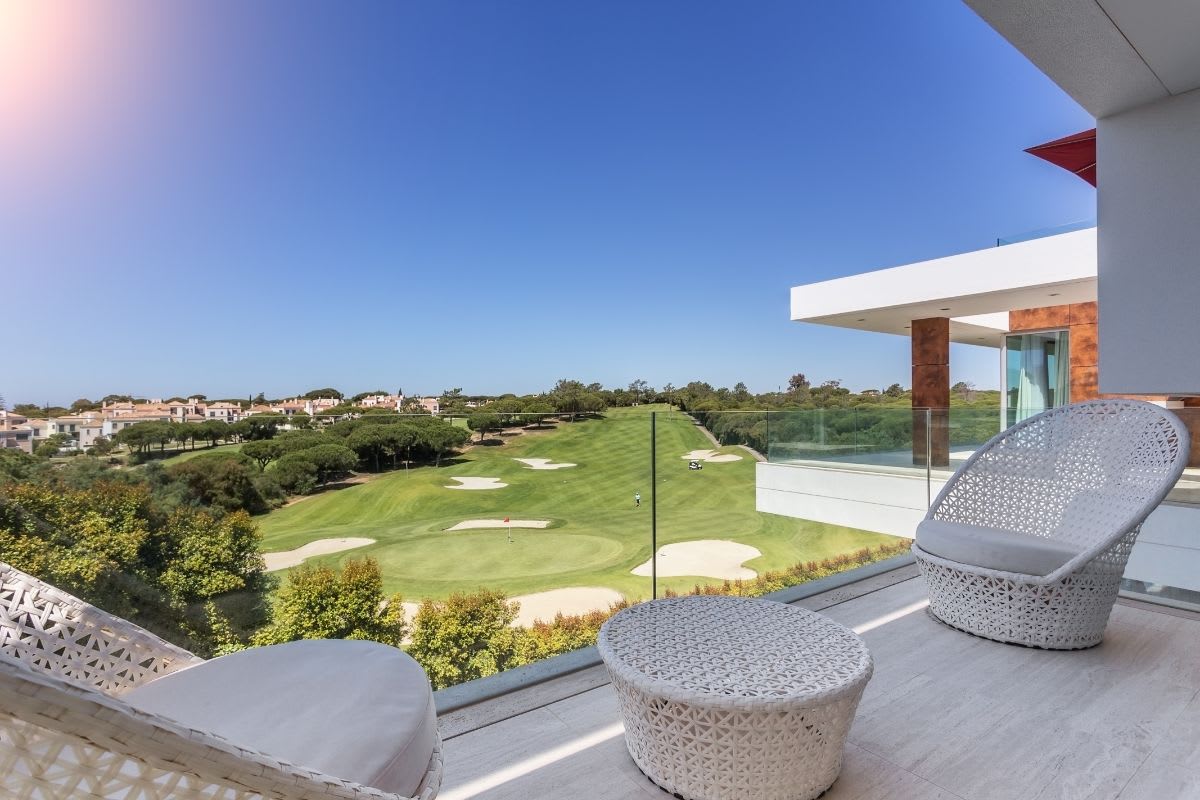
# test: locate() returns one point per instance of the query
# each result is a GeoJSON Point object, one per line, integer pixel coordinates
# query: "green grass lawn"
{"type": "Point", "coordinates": [596, 535]}
{"type": "Point", "coordinates": [201, 450]}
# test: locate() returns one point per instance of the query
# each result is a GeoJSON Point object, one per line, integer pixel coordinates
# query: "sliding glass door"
{"type": "Point", "coordinates": [1037, 373]}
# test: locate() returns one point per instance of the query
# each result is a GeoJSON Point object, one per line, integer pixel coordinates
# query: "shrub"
{"type": "Point", "coordinates": [466, 636]}
{"type": "Point", "coordinates": [320, 602]}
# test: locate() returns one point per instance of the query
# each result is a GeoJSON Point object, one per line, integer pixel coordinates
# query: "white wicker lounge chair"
{"type": "Point", "coordinates": [1028, 540]}
{"type": "Point", "coordinates": [69, 727]}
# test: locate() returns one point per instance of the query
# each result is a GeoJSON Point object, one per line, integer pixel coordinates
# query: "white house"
{"type": "Point", "coordinates": [382, 401]}
{"type": "Point", "coordinates": [320, 405]}
{"type": "Point", "coordinates": [224, 412]}
{"type": "Point", "coordinates": [15, 432]}
{"type": "Point", "coordinates": [114, 425]}
{"type": "Point", "coordinates": [89, 431]}
{"type": "Point", "coordinates": [1035, 303]}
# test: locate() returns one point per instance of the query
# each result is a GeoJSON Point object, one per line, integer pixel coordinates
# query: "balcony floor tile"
{"type": "Point", "coordinates": [947, 716]}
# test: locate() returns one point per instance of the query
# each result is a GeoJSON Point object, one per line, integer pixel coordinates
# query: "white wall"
{"type": "Point", "coordinates": [872, 500]}
{"type": "Point", "coordinates": [1167, 551]}
{"type": "Point", "coordinates": [1149, 247]}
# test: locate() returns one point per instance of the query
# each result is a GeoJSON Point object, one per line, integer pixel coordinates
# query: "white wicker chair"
{"type": "Point", "coordinates": [1083, 476]}
{"type": "Point", "coordinates": [65, 732]}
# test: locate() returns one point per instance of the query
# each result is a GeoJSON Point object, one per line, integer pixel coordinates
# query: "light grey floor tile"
{"type": "Point", "coordinates": [1158, 779]}
{"type": "Point", "coordinates": [1087, 768]}
{"type": "Point", "coordinates": [1181, 744]}
{"type": "Point", "coordinates": [866, 776]}
{"type": "Point", "coordinates": [947, 716]}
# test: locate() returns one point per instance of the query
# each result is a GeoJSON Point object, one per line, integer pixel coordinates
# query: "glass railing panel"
{"type": "Point", "coordinates": [1164, 566]}
{"type": "Point", "coordinates": [1041, 233]}
{"type": "Point", "coordinates": [867, 436]}
{"type": "Point", "coordinates": [726, 523]}
{"type": "Point", "coordinates": [968, 429]}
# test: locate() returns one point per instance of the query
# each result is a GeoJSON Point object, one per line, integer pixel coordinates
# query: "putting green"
{"type": "Point", "coordinates": [556, 553]}
{"type": "Point", "coordinates": [597, 535]}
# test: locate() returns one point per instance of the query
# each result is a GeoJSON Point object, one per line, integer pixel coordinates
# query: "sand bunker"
{"type": "Point", "coordinates": [571, 600]}
{"type": "Point", "coordinates": [707, 558]}
{"type": "Point", "coordinates": [711, 456]}
{"type": "Point", "coordinates": [544, 605]}
{"type": "Point", "coordinates": [469, 524]}
{"type": "Point", "coordinates": [543, 463]}
{"type": "Point", "coordinates": [321, 547]}
{"type": "Point", "coordinates": [478, 483]}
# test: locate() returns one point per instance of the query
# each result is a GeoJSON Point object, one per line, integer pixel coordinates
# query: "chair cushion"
{"type": "Point", "coordinates": [993, 548]}
{"type": "Point", "coordinates": [360, 711]}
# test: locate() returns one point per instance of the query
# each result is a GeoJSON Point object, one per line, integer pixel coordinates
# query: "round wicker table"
{"type": "Point", "coordinates": [726, 697]}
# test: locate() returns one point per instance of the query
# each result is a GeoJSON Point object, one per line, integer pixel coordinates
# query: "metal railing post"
{"type": "Point", "coordinates": [928, 457]}
{"type": "Point", "coordinates": [653, 509]}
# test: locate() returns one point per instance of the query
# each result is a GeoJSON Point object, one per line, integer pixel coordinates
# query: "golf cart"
{"type": "Point", "coordinates": [695, 465]}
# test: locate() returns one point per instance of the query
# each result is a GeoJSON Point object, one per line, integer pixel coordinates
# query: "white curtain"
{"type": "Point", "coordinates": [1033, 383]}
{"type": "Point", "coordinates": [1062, 366]}
{"type": "Point", "coordinates": [1044, 377]}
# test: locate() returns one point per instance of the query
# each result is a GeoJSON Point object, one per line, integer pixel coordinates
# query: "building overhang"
{"type": "Point", "coordinates": [975, 290]}
{"type": "Point", "coordinates": [1109, 55]}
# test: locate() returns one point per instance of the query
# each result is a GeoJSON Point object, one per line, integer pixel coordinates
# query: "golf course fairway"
{"type": "Point", "coordinates": [596, 534]}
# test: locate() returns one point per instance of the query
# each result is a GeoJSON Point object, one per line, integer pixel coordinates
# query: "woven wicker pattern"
{"type": "Point", "coordinates": [728, 698]}
{"type": "Point", "coordinates": [64, 636]}
{"type": "Point", "coordinates": [1087, 474]}
{"type": "Point", "coordinates": [65, 733]}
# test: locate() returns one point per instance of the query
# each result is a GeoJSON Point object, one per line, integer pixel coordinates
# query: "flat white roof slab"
{"type": "Point", "coordinates": [976, 290]}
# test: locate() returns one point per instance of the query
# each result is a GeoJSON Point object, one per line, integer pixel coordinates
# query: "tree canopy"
{"type": "Point", "coordinates": [114, 546]}
{"type": "Point", "coordinates": [318, 394]}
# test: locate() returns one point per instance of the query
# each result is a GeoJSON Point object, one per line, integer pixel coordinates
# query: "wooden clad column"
{"type": "Point", "coordinates": [931, 388]}
{"type": "Point", "coordinates": [1082, 347]}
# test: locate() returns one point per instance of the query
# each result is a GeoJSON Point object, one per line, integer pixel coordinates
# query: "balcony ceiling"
{"type": "Point", "coordinates": [1109, 55]}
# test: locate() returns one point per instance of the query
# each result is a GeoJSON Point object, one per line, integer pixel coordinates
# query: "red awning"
{"type": "Point", "coordinates": [1075, 153]}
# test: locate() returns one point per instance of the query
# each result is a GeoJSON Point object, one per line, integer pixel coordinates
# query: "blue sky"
{"type": "Point", "coordinates": [228, 197]}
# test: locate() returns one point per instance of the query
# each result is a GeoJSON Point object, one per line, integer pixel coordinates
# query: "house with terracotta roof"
{"type": "Point", "coordinates": [15, 433]}
{"type": "Point", "coordinates": [117, 409]}
{"type": "Point", "coordinates": [319, 405]}
{"type": "Point", "coordinates": [225, 412]}
{"type": "Point", "coordinates": [289, 408]}
{"type": "Point", "coordinates": [182, 410]}
{"type": "Point", "coordinates": [89, 431]}
{"type": "Point", "coordinates": [257, 409]}
{"type": "Point", "coordinates": [114, 425]}
{"type": "Point", "coordinates": [382, 401]}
